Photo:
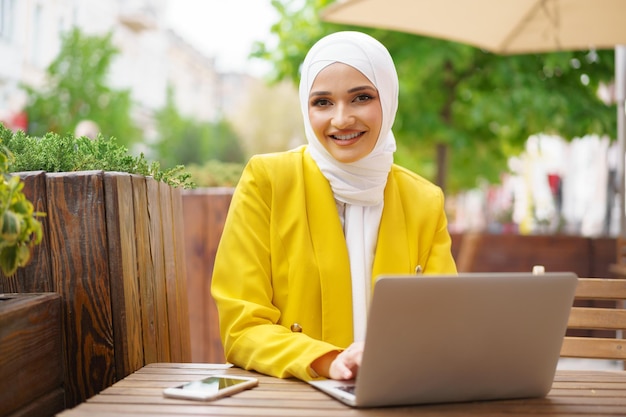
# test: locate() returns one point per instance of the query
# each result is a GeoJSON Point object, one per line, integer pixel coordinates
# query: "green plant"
{"type": "Point", "coordinates": [215, 173]}
{"type": "Point", "coordinates": [19, 228]}
{"type": "Point", "coordinates": [56, 153]}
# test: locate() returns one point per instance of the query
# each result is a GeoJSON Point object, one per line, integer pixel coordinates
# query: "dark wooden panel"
{"type": "Point", "coordinates": [518, 253]}
{"type": "Point", "coordinates": [45, 406]}
{"type": "Point", "coordinates": [587, 257]}
{"type": "Point", "coordinates": [35, 276]}
{"type": "Point", "coordinates": [81, 274]}
{"type": "Point", "coordinates": [31, 354]}
{"type": "Point", "coordinates": [125, 299]}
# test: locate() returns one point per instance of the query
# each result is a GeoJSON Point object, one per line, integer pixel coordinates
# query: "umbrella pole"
{"type": "Point", "coordinates": [620, 96]}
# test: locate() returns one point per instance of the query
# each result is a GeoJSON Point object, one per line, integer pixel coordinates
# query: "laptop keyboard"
{"type": "Point", "coordinates": [348, 388]}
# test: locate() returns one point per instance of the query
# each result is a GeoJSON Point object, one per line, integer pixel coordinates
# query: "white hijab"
{"type": "Point", "coordinates": [360, 184]}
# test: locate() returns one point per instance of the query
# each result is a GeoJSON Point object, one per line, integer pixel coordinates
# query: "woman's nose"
{"type": "Point", "coordinates": [342, 117]}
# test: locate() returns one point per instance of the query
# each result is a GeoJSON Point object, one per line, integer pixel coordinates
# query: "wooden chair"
{"type": "Point", "coordinates": [595, 318]}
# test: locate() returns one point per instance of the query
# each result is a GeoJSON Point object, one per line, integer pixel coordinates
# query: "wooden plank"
{"type": "Point", "coordinates": [145, 269]}
{"type": "Point", "coordinates": [170, 273]}
{"type": "Point", "coordinates": [597, 318]}
{"type": "Point", "coordinates": [78, 241]}
{"type": "Point", "coordinates": [598, 348]}
{"type": "Point", "coordinates": [181, 275]}
{"type": "Point", "coordinates": [205, 212]}
{"type": "Point", "coordinates": [158, 269]}
{"type": "Point", "coordinates": [31, 354]}
{"type": "Point", "coordinates": [36, 275]}
{"type": "Point", "coordinates": [601, 289]}
{"type": "Point", "coordinates": [195, 218]}
{"type": "Point", "coordinates": [122, 250]}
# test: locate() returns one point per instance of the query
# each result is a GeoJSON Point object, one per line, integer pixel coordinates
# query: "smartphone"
{"type": "Point", "coordinates": [211, 388]}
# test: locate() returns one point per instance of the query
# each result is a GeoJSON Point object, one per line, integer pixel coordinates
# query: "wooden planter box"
{"type": "Point", "coordinates": [113, 250]}
{"type": "Point", "coordinates": [31, 366]}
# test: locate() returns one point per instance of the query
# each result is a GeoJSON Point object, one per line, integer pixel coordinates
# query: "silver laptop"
{"type": "Point", "coordinates": [479, 336]}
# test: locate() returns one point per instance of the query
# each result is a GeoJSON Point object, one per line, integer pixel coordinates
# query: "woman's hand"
{"type": "Point", "coordinates": [340, 365]}
{"type": "Point", "coordinates": [346, 364]}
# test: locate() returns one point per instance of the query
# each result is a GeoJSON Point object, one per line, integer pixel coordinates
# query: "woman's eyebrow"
{"type": "Point", "coordinates": [350, 91]}
{"type": "Point", "coordinates": [361, 88]}
{"type": "Point", "coordinates": [319, 93]}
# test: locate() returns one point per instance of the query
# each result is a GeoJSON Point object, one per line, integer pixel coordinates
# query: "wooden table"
{"type": "Point", "coordinates": [586, 393]}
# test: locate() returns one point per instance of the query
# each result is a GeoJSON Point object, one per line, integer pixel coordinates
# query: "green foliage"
{"type": "Point", "coordinates": [55, 153]}
{"type": "Point", "coordinates": [298, 27]}
{"type": "Point", "coordinates": [216, 173]}
{"type": "Point", "coordinates": [19, 228]}
{"type": "Point", "coordinates": [76, 89]}
{"type": "Point", "coordinates": [187, 141]}
{"type": "Point", "coordinates": [481, 106]}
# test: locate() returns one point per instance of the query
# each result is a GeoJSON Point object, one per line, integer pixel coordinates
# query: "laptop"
{"type": "Point", "coordinates": [467, 337]}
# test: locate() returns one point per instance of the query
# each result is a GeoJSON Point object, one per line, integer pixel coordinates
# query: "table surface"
{"type": "Point", "coordinates": [586, 393]}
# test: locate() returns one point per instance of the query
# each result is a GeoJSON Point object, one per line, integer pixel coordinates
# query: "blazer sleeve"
{"type": "Point", "coordinates": [243, 290]}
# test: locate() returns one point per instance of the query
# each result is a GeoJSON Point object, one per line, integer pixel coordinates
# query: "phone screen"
{"type": "Point", "coordinates": [211, 385]}
{"type": "Point", "coordinates": [211, 388]}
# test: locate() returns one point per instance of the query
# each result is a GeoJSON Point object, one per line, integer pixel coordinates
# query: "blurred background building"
{"type": "Point", "coordinates": [152, 57]}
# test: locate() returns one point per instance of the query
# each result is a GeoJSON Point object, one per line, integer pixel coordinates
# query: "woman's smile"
{"type": "Point", "coordinates": [346, 137]}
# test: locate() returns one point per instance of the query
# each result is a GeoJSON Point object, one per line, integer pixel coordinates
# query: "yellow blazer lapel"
{"type": "Point", "coordinates": [395, 252]}
{"type": "Point", "coordinates": [331, 253]}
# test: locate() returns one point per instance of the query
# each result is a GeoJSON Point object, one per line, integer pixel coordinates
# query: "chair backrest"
{"type": "Point", "coordinates": [609, 317]}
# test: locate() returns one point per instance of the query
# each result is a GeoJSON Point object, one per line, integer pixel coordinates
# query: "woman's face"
{"type": "Point", "coordinates": [345, 112]}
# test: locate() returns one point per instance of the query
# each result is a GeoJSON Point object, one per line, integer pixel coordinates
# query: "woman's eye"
{"type": "Point", "coordinates": [320, 102]}
{"type": "Point", "coordinates": [362, 98]}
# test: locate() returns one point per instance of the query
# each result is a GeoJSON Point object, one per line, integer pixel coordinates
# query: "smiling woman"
{"type": "Point", "coordinates": [219, 29]}
{"type": "Point", "coordinates": [310, 230]}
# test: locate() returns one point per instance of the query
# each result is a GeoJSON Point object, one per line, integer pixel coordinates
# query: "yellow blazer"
{"type": "Point", "coordinates": [282, 260]}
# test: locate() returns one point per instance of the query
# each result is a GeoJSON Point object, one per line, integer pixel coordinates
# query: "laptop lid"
{"type": "Point", "coordinates": [478, 336]}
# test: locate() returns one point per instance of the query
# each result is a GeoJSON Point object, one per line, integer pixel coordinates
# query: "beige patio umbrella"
{"type": "Point", "coordinates": [509, 27]}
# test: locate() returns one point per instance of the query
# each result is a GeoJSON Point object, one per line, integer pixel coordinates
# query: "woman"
{"type": "Point", "coordinates": [309, 230]}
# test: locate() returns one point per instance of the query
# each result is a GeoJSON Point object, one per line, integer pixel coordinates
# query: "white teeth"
{"type": "Point", "coordinates": [346, 137]}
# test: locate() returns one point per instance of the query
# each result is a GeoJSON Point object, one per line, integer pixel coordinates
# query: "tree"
{"type": "Point", "coordinates": [76, 90]}
{"type": "Point", "coordinates": [187, 141]}
{"type": "Point", "coordinates": [480, 106]}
